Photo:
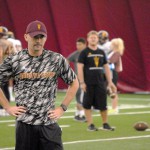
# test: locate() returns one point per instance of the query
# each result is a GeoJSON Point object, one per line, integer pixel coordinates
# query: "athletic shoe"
{"type": "Point", "coordinates": [113, 111]}
{"type": "Point", "coordinates": [81, 119]}
{"type": "Point", "coordinates": [92, 128]}
{"type": "Point", "coordinates": [106, 126]}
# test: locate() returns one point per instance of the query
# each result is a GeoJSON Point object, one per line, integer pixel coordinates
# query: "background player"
{"type": "Point", "coordinates": [73, 57]}
{"type": "Point", "coordinates": [90, 72]}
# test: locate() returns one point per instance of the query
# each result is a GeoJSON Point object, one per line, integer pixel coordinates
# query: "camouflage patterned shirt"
{"type": "Point", "coordinates": [36, 82]}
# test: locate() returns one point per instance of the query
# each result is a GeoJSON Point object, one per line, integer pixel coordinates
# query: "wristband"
{"type": "Point", "coordinates": [64, 107]}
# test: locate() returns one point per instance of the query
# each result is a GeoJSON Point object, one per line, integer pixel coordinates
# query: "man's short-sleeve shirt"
{"type": "Point", "coordinates": [36, 82]}
{"type": "Point", "coordinates": [93, 61]}
{"type": "Point", "coordinates": [73, 57]}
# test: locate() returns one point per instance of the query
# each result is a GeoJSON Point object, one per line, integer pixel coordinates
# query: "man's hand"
{"type": "Point", "coordinates": [16, 110]}
{"type": "Point", "coordinates": [56, 113]}
{"type": "Point", "coordinates": [83, 87]}
{"type": "Point", "coordinates": [112, 87]}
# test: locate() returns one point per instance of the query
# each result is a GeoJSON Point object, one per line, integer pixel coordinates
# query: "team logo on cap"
{"type": "Point", "coordinates": [38, 26]}
{"type": "Point", "coordinates": [1, 30]}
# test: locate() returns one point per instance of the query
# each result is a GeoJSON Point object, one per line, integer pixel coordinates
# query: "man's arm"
{"type": "Point", "coordinates": [72, 89]}
{"type": "Point", "coordinates": [109, 78]}
{"type": "Point", "coordinates": [71, 57]}
{"type": "Point", "coordinates": [12, 110]}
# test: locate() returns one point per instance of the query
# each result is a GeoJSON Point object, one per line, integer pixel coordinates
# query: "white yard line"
{"type": "Point", "coordinates": [120, 98]}
{"type": "Point", "coordinates": [61, 126]}
{"type": "Point", "coordinates": [5, 121]}
{"type": "Point", "coordinates": [10, 148]}
{"type": "Point", "coordinates": [109, 139]}
{"type": "Point", "coordinates": [135, 99]}
{"type": "Point", "coordinates": [96, 140]}
{"type": "Point", "coordinates": [65, 117]}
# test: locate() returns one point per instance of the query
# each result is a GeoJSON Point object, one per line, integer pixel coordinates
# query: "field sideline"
{"type": "Point", "coordinates": [75, 136]}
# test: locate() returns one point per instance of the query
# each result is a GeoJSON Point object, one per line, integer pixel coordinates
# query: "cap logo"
{"type": "Point", "coordinates": [38, 26]}
{"type": "Point", "coordinates": [1, 30]}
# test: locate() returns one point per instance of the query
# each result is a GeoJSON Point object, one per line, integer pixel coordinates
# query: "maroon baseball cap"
{"type": "Point", "coordinates": [35, 28]}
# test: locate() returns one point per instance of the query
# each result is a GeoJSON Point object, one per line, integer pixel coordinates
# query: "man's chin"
{"type": "Point", "coordinates": [37, 49]}
{"type": "Point", "coordinates": [93, 44]}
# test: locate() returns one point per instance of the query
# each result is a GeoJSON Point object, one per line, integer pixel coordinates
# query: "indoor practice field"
{"type": "Point", "coordinates": [133, 108]}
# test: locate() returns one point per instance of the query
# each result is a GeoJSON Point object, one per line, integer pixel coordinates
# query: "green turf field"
{"type": "Point", "coordinates": [133, 108]}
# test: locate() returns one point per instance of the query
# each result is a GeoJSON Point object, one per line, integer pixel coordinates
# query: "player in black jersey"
{"type": "Point", "coordinates": [35, 72]}
{"type": "Point", "coordinates": [91, 64]}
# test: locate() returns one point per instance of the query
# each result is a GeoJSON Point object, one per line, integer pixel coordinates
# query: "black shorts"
{"type": "Point", "coordinates": [38, 137]}
{"type": "Point", "coordinates": [95, 96]}
{"type": "Point", "coordinates": [115, 77]}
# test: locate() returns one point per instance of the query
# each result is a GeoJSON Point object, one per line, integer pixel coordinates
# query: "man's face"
{"type": "Point", "coordinates": [80, 46]}
{"type": "Point", "coordinates": [36, 43]}
{"type": "Point", "coordinates": [93, 40]}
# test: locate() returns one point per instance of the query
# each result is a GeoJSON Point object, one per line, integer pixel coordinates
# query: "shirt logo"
{"type": "Point", "coordinates": [33, 75]}
{"type": "Point", "coordinates": [96, 61]}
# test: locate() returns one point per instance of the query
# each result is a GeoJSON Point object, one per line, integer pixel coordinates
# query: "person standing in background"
{"type": "Point", "coordinates": [91, 63]}
{"type": "Point", "coordinates": [17, 47]}
{"type": "Point", "coordinates": [114, 57]}
{"type": "Point", "coordinates": [73, 57]}
{"type": "Point", "coordinates": [6, 48]}
{"type": "Point", "coordinates": [105, 45]}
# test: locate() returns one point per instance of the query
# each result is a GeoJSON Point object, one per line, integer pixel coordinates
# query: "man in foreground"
{"type": "Point", "coordinates": [35, 72]}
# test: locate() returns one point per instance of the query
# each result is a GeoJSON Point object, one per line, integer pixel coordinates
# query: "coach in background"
{"type": "Point", "coordinates": [35, 71]}
{"type": "Point", "coordinates": [90, 72]}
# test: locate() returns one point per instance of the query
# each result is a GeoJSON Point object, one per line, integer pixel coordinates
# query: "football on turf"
{"type": "Point", "coordinates": [141, 126]}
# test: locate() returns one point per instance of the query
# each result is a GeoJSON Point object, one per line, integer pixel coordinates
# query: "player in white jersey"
{"type": "Point", "coordinates": [105, 45]}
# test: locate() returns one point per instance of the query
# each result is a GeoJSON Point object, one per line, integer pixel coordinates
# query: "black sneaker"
{"type": "Point", "coordinates": [81, 119]}
{"type": "Point", "coordinates": [77, 118]}
{"type": "Point", "coordinates": [106, 126]}
{"type": "Point", "coordinates": [92, 128]}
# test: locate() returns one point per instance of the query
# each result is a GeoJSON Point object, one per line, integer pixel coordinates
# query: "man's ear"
{"type": "Point", "coordinates": [25, 37]}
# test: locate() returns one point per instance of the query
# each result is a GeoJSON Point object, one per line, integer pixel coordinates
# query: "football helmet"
{"type": "Point", "coordinates": [3, 30]}
{"type": "Point", "coordinates": [103, 36]}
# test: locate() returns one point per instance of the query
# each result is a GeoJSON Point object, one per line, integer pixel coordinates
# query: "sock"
{"type": "Point", "coordinates": [77, 113]}
{"type": "Point", "coordinates": [81, 113]}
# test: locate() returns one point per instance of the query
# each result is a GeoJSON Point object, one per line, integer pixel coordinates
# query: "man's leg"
{"type": "Point", "coordinates": [26, 137]}
{"type": "Point", "coordinates": [104, 116]}
{"type": "Point", "coordinates": [87, 104]}
{"type": "Point", "coordinates": [88, 115]}
{"type": "Point", "coordinates": [50, 137]}
{"type": "Point", "coordinates": [101, 104]}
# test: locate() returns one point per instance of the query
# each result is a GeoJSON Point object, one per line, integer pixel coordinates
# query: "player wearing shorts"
{"type": "Point", "coordinates": [90, 71]}
{"type": "Point", "coordinates": [73, 57]}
